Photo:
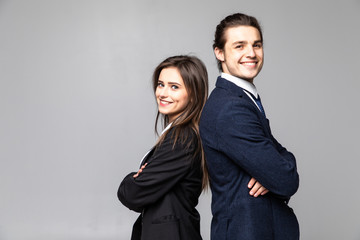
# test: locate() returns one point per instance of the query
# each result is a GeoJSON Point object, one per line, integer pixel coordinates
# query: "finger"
{"type": "Point", "coordinates": [251, 182]}
{"type": "Point", "coordinates": [255, 188]}
{"type": "Point", "coordinates": [265, 192]}
{"type": "Point", "coordinates": [140, 170]}
{"type": "Point", "coordinates": [259, 191]}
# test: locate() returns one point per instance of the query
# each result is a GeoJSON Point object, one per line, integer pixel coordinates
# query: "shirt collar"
{"type": "Point", "coordinates": [167, 128]}
{"type": "Point", "coordinates": [241, 83]}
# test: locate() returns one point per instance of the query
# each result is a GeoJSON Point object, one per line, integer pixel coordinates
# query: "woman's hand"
{"type": "Point", "coordinates": [140, 170]}
{"type": "Point", "coordinates": [256, 188]}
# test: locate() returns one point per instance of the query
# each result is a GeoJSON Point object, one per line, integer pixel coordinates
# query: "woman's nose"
{"type": "Point", "coordinates": [163, 92]}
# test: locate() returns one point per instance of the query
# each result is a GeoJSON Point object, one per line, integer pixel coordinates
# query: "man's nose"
{"type": "Point", "coordinates": [250, 52]}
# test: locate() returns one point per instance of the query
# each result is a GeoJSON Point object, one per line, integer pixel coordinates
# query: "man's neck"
{"type": "Point", "coordinates": [248, 86]}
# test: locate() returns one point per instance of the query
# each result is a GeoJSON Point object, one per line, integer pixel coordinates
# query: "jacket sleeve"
{"type": "Point", "coordinates": [168, 164]}
{"type": "Point", "coordinates": [242, 137]}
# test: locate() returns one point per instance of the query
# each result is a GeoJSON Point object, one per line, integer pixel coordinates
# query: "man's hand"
{"type": "Point", "coordinates": [256, 188]}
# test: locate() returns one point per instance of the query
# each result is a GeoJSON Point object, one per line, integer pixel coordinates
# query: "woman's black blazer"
{"type": "Point", "coordinates": [166, 192]}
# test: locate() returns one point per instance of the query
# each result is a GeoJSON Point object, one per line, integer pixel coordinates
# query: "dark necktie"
{"type": "Point", "coordinates": [258, 102]}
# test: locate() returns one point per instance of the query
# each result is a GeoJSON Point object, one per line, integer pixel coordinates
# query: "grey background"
{"type": "Point", "coordinates": [77, 110]}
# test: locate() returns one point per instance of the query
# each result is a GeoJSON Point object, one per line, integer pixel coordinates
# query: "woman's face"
{"type": "Point", "coordinates": [171, 94]}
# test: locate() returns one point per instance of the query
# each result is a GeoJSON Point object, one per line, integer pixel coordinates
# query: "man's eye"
{"type": "Point", "coordinates": [239, 46]}
{"type": "Point", "coordinates": [257, 45]}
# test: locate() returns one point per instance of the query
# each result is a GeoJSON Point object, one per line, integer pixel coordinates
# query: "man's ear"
{"type": "Point", "coordinates": [219, 54]}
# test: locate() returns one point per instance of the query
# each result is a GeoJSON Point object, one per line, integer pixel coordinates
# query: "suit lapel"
{"type": "Point", "coordinates": [238, 91]}
{"type": "Point", "coordinates": [147, 156]}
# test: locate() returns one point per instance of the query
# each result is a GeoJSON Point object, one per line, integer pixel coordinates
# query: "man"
{"type": "Point", "coordinates": [252, 177]}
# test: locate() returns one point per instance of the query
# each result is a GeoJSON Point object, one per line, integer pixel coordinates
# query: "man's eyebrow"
{"type": "Point", "coordinates": [245, 42]}
{"type": "Point", "coordinates": [239, 42]}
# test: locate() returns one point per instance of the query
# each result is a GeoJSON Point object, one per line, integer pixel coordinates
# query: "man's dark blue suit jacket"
{"type": "Point", "coordinates": [238, 145]}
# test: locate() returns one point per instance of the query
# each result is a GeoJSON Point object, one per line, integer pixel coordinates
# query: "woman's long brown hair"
{"type": "Point", "coordinates": [195, 77]}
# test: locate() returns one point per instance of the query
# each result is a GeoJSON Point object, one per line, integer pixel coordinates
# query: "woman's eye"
{"type": "Point", "coordinates": [160, 85]}
{"type": "Point", "coordinates": [174, 87]}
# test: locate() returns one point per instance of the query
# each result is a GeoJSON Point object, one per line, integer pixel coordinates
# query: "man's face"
{"type": "Point", "coordinates": [243, 54]}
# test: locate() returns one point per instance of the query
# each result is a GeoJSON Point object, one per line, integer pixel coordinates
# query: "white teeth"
{"type": "Point", "coordinates": [249, 64]}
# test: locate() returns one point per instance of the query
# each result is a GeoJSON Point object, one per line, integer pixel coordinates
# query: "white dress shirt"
{"type": "Point", "coordinates": [248, 86]}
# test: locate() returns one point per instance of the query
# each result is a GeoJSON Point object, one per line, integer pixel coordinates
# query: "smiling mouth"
{"type": "Point", "coordinates": [163, 103]}
{"type": "Point", "coordinates": [251, 64]}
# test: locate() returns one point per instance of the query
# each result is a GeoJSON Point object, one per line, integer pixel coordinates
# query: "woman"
{"type": "Point", "coordinates": [166, 188]}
